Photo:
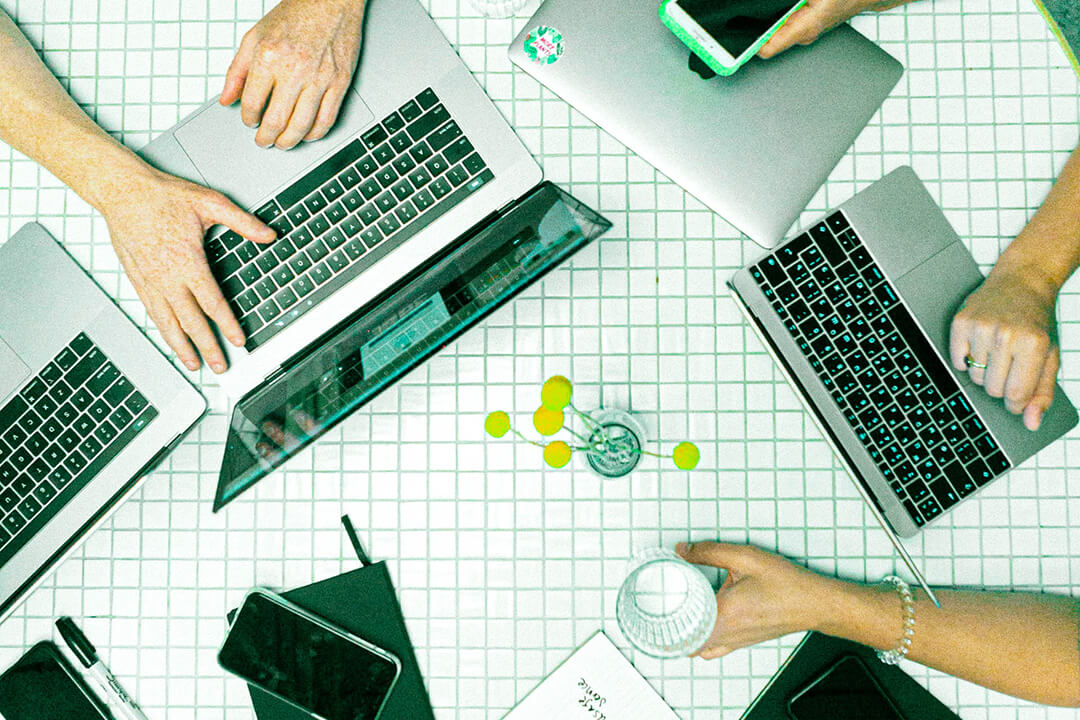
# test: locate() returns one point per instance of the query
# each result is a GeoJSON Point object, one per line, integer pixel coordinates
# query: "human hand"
{"type": "Point", "coordinates": [765, 596]}
{"type": "Point", "coordinates": [293, 69]}
{"type": "Point", "coordinates": [157, 223]}
{"type": "Point", "coordinates": [1008, 326]}
{"type": "Point", "coordinates": [818, 17]}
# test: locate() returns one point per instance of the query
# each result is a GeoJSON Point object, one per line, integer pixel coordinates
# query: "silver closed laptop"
{"type": "Point", "coordinates": [753, 147]}
{"type": "Point", "coordinates": [857, 312]}
{"type": "Point", "coordinates": [87, 407]}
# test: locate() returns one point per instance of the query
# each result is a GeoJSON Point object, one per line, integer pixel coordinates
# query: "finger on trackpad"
{"type": "Point", "coordinates": [224, 150]}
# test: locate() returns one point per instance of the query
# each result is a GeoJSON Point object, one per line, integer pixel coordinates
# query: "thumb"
{"type": "Point", "coordinates": [788, 33]}
{"type": "Point", "coordinates": [716, 554]}
{"type": "Point", "coordinates": [1044, 391]}
{"type": "Point", "coordinates": [237, 74]}
{"type": "Point", "coordinates": [221, 210]}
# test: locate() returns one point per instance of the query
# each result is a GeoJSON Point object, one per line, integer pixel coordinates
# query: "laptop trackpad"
{"type": "Point", "coordinates": [224, 150]}
{"type": "Point", "coordinates": [12, 370]}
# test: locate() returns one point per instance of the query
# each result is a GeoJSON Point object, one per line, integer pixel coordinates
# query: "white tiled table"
{"type": "Point", "coordinates": [503, 567]}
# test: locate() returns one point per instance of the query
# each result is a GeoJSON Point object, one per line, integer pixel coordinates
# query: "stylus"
{"type": "Point", "coordinates": [87, 654]}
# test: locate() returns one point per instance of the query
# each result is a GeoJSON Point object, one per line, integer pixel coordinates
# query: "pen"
{"type": "Point", "coordinates": [87, 654]}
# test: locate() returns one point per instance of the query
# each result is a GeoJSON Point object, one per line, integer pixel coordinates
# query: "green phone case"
{"type": "Point", "coordinates": [702, 53]}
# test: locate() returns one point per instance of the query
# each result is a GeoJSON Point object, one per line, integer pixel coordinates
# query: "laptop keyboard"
{"type": "Point", "coordinates": [354, 208]}
{"type": "Point", "coordinates": [58, 432]}
{"type": "Point", "coordinates": [893, 388]}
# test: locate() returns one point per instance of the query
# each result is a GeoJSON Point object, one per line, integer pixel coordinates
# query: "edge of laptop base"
{"type": "Point", "coordinates": [837, 452]}
{"type": "Point", "coordinates": [82, 534]}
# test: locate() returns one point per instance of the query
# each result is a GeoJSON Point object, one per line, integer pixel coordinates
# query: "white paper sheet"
{"type": "Point", "coordinates": [595, 683]}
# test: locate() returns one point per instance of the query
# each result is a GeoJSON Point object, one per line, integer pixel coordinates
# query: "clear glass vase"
{"type": "Point", "coordinates": [616, 440]}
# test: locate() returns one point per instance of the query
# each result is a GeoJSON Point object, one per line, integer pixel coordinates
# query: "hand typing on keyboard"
{"type": "Point", "coordinates": [293, 69]}
{"type": "Point", "coordinates": [818, 17]}
{"type": "Point", "coordinates": [157, 223]}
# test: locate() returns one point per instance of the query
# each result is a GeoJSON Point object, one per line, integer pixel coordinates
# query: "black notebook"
{"type": "Point", "coordinates": [364, 603]}
{"type": "Point", "coordinates": [816, 654]}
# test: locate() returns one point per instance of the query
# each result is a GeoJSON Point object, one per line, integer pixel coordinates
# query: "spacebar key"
{"type": "Point", "coordinates": [924, 352]}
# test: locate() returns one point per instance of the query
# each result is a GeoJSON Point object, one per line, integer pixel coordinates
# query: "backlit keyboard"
{"type": "Point", "coordinates": [361, 203]}
{"type": "Point", "coordinates": [889, 382]}
{"type": "Point", "coordinates": [58, 432]}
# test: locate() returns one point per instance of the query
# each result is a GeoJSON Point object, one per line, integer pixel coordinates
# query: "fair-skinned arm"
{"type": "Point", "coordinates": [293, 69]}
{"type": "Point", "coordinates": [818, 17]}
{"type": "Point", "coordinates": [1022, 644]}
{"type": "Point", "coordinates": [1008, 323]}
{"type": "Point", "coordinates": [156, 221]}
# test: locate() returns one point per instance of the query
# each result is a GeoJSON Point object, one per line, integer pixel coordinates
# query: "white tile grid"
{"type": "Point", "coordinates": [503, 567]}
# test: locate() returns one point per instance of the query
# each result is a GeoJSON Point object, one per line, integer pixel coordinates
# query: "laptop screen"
{"type": "Point", "coordinates": [400, 329]}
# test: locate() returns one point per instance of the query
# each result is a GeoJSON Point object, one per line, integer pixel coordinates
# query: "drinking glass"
{"type": "Point", "coordinates": [498, 8]}
{"type": "Point", "coordinates": [666, 607]}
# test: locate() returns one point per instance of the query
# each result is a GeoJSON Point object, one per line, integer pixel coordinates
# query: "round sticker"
{"type": "Point", "coordinates": [544, 45]}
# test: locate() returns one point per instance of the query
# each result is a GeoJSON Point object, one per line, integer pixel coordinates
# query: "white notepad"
{"type": "Point", "coordinates": [595, 683]}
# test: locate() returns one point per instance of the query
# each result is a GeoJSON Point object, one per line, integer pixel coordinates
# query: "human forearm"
{"type": "Point", "coordinates": [1047, 251]}
{"type": "Point", "coordinates": [1021, 644]}
{"type": "Point", "coordinates": [39, 119]}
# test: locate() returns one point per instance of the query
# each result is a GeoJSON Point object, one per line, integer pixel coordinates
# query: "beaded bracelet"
{"type": "Point", "coordinates": [893, 657]}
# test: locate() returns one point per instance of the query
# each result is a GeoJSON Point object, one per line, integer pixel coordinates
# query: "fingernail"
{"type": "Point", "coordinates": [191, 365]}
{"type": "Point", "coordinates": [237, 340]}
{"type": "Point", "coordinates": [218, 367]}
{"type": "Point", "coordinates": [683, 548]}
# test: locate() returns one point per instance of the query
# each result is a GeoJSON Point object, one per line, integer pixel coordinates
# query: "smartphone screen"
{"type": "Point", "coordinates": [43, 686]}
{"type": "Point", "coordinates": [736, 24]}
{"type": "Point", "coordinates": [306, 662]}
{"type": "Point", "coordinates": [846, 692]}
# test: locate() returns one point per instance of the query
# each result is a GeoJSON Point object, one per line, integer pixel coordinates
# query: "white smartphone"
{"type": "Point", "coordinates": [304, 660]}
{"type": "Point", "coordinates": [725, 34]}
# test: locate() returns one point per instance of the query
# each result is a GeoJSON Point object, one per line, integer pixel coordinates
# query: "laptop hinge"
{"type": "Point", "coordinates": [275, 375]}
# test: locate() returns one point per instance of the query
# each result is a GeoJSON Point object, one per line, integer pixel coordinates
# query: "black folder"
{"type": "Point", "coordinates": [363, 602]}
{"type": "Point", "coordinates": [816, 654]}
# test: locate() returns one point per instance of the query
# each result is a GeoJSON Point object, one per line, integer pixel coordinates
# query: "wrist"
{"type": "Point", "coordinates": [867, 614]}
{"type": "Point", "coordinates": [123, 174]}
{"type": "Point", "coordinates": [1040, 281]}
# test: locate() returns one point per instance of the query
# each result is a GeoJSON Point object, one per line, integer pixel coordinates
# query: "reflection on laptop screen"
{"type": "Point", "coordinates": [399, 330]}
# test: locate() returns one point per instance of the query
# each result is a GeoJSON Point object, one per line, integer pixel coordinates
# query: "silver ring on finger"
{"type": "Point", "coordinates": [970, 361]}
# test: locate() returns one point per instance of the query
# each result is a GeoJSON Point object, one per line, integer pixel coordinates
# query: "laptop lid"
{"type": "Point", "coordinates": [400, 329]}
{"type": "Point", "coordinates": [755, 146]}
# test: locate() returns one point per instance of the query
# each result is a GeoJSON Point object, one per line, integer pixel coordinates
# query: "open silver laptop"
{"type": "Point", "coordinates": [415, 218]}
{"type": "Point", "coordinates": [87, 407]}
{"type": "Point", "coordinates": [418, 156]}
{"type": "Point", "coordinates": [857, 312]}
{"type": "Point", "coordinates": [754, 147]}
